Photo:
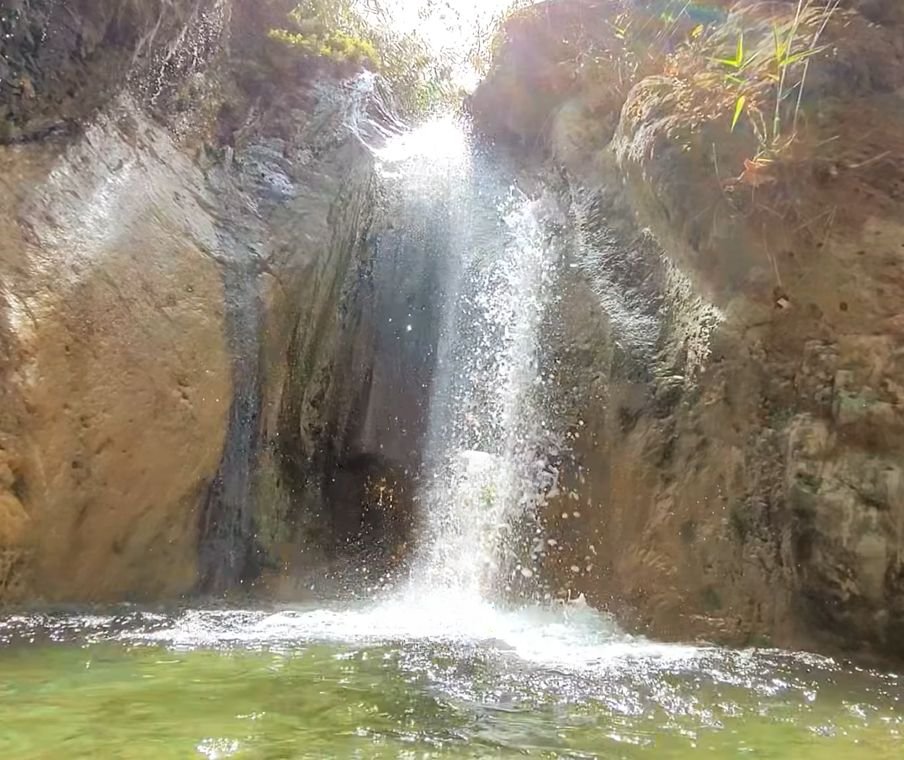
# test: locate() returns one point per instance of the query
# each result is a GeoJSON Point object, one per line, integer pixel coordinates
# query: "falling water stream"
{"type": "Point", "coordinates": [467, 658]}
{"type": "Point", "coordinates": [484, 461]}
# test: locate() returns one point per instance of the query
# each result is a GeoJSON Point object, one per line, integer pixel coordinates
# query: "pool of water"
{"type": "Point", "coordinates": [440, 677]}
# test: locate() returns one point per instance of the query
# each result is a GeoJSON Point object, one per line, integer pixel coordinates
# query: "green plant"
{"type": "Point", "coordinates": [335, 46]}
{"type": "Point", "coordinates": [738, 62]}
{"type": "Point", "coordinates": [739, 109]}
{"type": "Point", "coordinates": [328, 29]}
{"type": "Point", "coordinates": [785, 57]}
{"type": "Point", "coordinates": [337, 31]}
{"type": "Point", "coordinates": [768, 62]}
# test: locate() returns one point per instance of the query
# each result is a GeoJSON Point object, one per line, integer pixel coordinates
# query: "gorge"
{"type": "Point", "coordinates": [343, 414]}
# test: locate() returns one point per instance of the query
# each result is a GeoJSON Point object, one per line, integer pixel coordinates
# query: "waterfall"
{"type": "Point", "coordinates": [484, 467]}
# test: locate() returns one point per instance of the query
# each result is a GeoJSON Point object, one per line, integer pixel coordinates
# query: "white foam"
{"type": "Point", "coordinates": [571, 637]}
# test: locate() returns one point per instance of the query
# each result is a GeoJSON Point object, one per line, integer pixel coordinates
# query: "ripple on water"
{"type": "Point", "coordinates": [438, 676]}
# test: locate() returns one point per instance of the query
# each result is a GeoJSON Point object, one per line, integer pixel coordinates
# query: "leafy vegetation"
{"type": "Point", "coordinates": [765, 71]}
{"type": "Point", "coordinates": [330, 30]}
{"type": "Point", "coordinates": [338, 32]}
{"type": "Point", "coordinates": [749, 65]}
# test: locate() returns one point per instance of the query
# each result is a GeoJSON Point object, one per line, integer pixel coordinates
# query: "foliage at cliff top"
{"type": "Point", "coordinates": [765, 74]}
{"type": "Point", "coordinates": [331, 30]}
{"type": "Point", "coordinates": [339, 33]}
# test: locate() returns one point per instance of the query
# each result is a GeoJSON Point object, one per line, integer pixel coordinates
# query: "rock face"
{"type": "Point", "coordinates": [117, 373]}
{"type": "Point", "coordinates": [729, 346]}
{"type": "Point", "coordinates": [187, 341]}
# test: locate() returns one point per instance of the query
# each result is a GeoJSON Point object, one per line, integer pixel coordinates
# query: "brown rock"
{"type": "Point", "coordinates": [117, 372]}
{"type": "Point", "coordinates": [13, 522]}
{"type": "Point", "coordinates": [739, 398]}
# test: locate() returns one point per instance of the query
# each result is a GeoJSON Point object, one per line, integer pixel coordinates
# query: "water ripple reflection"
{"type": "Point", "coordinates": [420, 678]}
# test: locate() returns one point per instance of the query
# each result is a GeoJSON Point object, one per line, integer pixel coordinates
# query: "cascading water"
{"type": "Point", "coordinates": [464, 660]}
{"type": "Point", "coordinates": [441, 668]}
{"type": "Point", "coordinates": [482, 472]}
{"type": "Point", "coordinates": [451, 223]}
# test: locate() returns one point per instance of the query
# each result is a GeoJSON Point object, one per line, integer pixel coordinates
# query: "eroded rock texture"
{"type": "Point", "coordinates": [117, 372]}
{"type": "Point", "coordinates": [729, 345]}
{"type": "Point", "coordinates": [187, 317]}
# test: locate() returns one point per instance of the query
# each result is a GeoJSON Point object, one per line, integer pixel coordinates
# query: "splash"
{"type": "Point", "coordinates": [487, 468]}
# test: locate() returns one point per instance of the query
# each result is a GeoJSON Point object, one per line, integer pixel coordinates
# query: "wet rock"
{"type": "Point", "coordinates": [781, 443]}
{"type": "Point", "coordinates": [848, 503]}
{"type": "Point", "coordinates": [186, 341]}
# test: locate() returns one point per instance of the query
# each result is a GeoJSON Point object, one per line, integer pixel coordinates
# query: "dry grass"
{"type": "Point", "coordinates": [798, 99]}
{"type": "Point", "coordinates": [755, 68]}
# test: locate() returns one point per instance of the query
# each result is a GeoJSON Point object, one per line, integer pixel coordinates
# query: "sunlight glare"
{"type": "Point", "coordinates": [439, 140]}
{"type": "Point", "coordinates": [452, 29]}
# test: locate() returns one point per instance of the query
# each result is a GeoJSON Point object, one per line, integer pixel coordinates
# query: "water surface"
{"type": "Point", "coordinates": [438, 678]}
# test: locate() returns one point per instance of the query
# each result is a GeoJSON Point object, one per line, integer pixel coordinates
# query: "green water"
{"type": "Point", "coordinates": [408, 683]}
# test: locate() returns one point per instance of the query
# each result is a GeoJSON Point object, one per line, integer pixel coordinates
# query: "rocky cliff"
{"type": "Point", "coordinates": [202, 385]}
{"type": "Point", "coordinates": [186, 320]}
{"type": "Point", "coordinates": [729, 345]}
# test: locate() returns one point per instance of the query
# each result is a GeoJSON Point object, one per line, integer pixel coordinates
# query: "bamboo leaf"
{"type": "Point", "coordinates": [739, 109]}
{"type": "Point", "coordinates": [803, 55]}
{"type": "Point", "coordinates": [779, 49]}
{"type": "Point", "coordinates": [738, 61]}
